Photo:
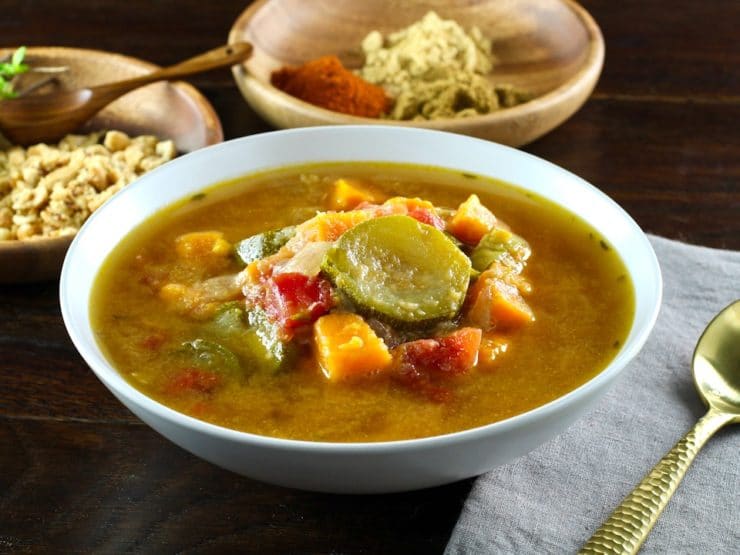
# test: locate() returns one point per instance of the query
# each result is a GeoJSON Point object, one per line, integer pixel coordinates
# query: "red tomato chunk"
{"type": "Point", "coordinates": [427, 217]}
{"type": "Point", "coordinates": [450, 355]}
{"type": "Point", "coordinates": [294, 299]}
{"type": "Point", "coordinates": [195, 379]}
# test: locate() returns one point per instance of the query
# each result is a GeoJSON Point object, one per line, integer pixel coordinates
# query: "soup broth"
{"type": "Point", "coordinates": [581, 300]}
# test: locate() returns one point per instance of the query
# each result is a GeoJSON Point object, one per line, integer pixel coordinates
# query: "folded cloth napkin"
{"type": "Point", "coordinates": [554, 498]}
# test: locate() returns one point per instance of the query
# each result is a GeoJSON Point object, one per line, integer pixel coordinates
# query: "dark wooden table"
{"type": "Point", "coordinates": [79, 473]}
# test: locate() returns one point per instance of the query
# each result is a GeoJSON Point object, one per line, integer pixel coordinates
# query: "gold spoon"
{"type": "Point", "coordinates": [716, 367]}
{"type": "Point", "coordinates": [48, 117]}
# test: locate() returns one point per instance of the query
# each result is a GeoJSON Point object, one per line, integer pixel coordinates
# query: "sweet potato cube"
{"type": "Point", "coordinates": [327, 226]}
{"type": "Point", "coordinates": [471, 221]}
{"type": "Point", "coordinates": [348, 193]}
{"type": "Point", "coordinates": [496, 303]}
{"type": "Point", "coordinates": [347, 347]}
{"type": "Point", "coordinates": [200, 245]}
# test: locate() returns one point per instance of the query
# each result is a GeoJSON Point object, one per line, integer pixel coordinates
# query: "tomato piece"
{"type": "Point", "coordinates": [428, 217]}
{"type": "Point", "coordinates": [422, 363]}
{"type": "Point", "coordinates": [194, 379]}
{"type": "Point", "coordinates": [154, 341]}
{"type": "Point", "coordinates": [292, 299]}
{"type": "Point", "coordinates": [451, 354]}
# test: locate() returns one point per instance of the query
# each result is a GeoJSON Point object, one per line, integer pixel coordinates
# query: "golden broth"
{"type": "Point", "coordinates": [582, 298]}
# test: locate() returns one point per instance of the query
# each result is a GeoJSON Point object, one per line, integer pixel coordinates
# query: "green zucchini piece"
{"type": "Point", "coordinates": [499, 245]}
{"type": "Point", "coordinates": [263, 244]}
{"type": "Point", "coordinates": [251, 337]}
{"type": "Point", "coordinates": [230, 320]}
{"type": "Point", "coordinates": [400, 270]}
{"type": "Point", "coordinates": [273, 353]}
{"type": "Point", "coordinates": [209, 355]}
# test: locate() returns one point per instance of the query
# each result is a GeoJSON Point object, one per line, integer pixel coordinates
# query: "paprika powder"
{"type": "Point", "coordinates": [325, 82]}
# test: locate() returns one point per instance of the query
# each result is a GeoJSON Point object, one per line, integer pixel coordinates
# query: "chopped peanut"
{"type": "Point", "coordinates": [50, 190]}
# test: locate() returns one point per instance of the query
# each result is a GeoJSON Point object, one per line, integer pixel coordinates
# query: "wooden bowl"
{"type": "Point", "coordinates": [174, 111]}
{"type": "Point", "coordinates": [552, 48]}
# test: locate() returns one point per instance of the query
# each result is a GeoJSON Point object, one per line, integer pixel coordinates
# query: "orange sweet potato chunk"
{"type": "Point", "coordinates": [496, 303]}
{"type": "Point", "coordinates": [471, 221]}
{"type": "Point", "coordinates": [348, 193]}
{"type": "Point", "coordinates": [327, 226]}
{"type": "Point", "coordinates": [347, 347]}
{"type": "Point", "coordinates": [202, 244]}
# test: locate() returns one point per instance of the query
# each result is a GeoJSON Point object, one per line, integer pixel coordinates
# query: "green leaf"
{"type": "Point", "coordinates": [6, 89]}
{"type": "Point", "coordinates": [9, 70]}
{"type": "Point", "coordinates": [18, 56]}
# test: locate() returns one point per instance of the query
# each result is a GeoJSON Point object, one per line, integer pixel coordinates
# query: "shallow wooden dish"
{"type": "Point", "coordinates": [552, 48]}
{"type": "Point", "coordinates": [174, 111]}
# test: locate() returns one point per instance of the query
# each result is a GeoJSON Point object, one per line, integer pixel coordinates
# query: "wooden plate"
{"type": "Point", "coordinates": [174, 111]}
{"type": "Point", "coordinates": [552, 48]}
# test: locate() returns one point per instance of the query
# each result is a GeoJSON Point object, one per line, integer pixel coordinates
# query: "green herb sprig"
{"type": "Point", "coordinates": [10, 69]}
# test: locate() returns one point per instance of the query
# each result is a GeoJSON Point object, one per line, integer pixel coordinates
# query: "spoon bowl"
{"type": "Point", "coordinates": [48, 117]}
{"type": "Point", "coordinates": [717, 362]}
{"type": "Point", "coordinates": [716, 371]}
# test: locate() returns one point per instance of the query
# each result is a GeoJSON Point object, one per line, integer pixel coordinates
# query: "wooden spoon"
{"type": "Point", "coordinates": [49, 117]}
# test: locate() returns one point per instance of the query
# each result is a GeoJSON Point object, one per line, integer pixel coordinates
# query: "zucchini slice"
{"type": "Point", "coordinates": [263, 244]}
{"type": "Point", "coordinates": [209, 355]}
{"type": "Point", "coordinates": [400, 270]}
{"type": "Point", "coordinates": [500, 245]}
{"type": "Point", "coordinates": [271, 352]}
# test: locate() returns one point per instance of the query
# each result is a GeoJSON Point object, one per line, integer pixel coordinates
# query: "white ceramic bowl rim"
{"type": "Point", "coordinates": [400, 139]}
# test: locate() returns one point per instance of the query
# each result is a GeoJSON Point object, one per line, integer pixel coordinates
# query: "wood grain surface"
{"type": "Point", "coordinates": [80, 474]}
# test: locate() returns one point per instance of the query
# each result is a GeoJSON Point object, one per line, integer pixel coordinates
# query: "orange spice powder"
{"type": "Point", "coordinates": [325, 82]}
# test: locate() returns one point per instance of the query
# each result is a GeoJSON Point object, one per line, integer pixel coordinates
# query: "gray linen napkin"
{"type": "Point", "coordinates": [553, 499]}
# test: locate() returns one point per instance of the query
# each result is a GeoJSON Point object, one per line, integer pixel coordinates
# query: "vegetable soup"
{"type": "Point", "coordinates": [361, 302]}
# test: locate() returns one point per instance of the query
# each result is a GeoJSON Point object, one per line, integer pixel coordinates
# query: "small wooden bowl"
{"type": "Point", "coordinates": [174, 111]}
{"type": "Point", "coordinates": [552, 48]}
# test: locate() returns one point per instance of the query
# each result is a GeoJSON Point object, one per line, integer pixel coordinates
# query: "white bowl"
{"type": "Point", "coordinates": [356, 467]}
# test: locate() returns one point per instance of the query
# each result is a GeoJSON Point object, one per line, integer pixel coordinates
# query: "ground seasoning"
{"type": "Point", "coordinates": [325, 82]}
{"type": "Point", "coordinates": [435, 69]}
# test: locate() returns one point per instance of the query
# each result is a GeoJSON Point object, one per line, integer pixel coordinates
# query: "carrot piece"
{"type": "Point", "coordinates": [327, 226]}
{"type": "Point", "coordinates": [348, 193]}
{"type": "Point", "coordinates": [202, 244]}
{"type": "Point", "coordinates": [496, 303]}
{"type": "Point", "coordinates": [471, 221]}
{"type": "Point", "coordinates": [348, 347]}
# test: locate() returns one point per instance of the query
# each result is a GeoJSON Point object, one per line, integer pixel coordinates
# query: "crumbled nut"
{"type": "Point", "coordinates": [115, 141]}
{"type": "Point", "coordinates": [165, 150]}
{"type": "Point", "coordinates": [50, 190]}
{"type": "Point", "coordinates": [134, 154]}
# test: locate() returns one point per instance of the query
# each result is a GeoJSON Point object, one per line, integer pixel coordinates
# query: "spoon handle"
{"type": "Point", "coordinates": [216, 58]}
{"type": "Point", "coordinates": [630, 523]}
